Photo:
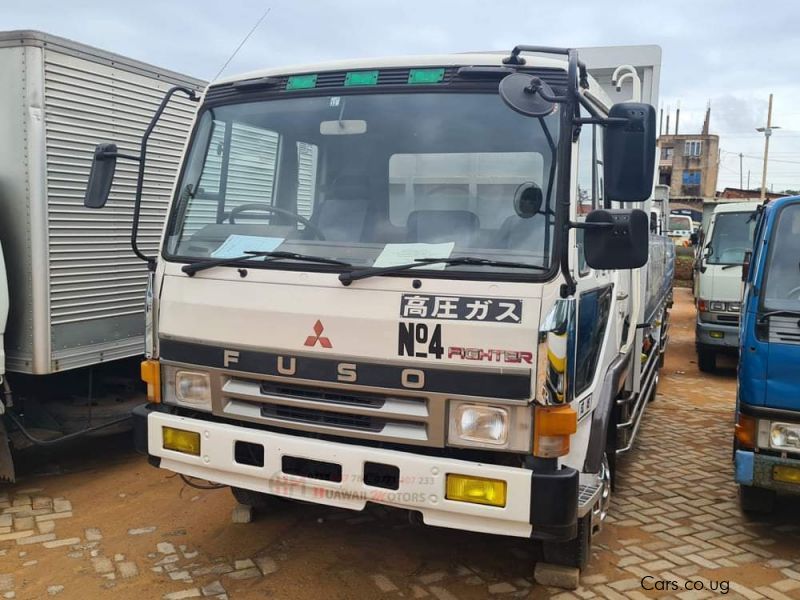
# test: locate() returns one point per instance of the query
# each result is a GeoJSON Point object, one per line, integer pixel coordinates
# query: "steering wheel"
{"type": "Point", "coordinates": [275, 210]}
{"type": "Point", "coordinates": [795, 291]}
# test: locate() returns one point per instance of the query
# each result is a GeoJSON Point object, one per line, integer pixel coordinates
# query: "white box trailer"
{"type": "Point", "coordinates": [76, 289]}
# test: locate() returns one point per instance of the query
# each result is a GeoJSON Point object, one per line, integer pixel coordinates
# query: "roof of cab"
{"type": "Point", "coordinates": [727, 207]}
{"type": "Point", "coordinates": [420, 61]}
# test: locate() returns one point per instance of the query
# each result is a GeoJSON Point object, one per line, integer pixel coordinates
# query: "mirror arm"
{"type": "Point", "coordinates": [585, 225]}
{"type": "Point", "coordinates": [606, 121]}
{"type": "Point", "coordinates": [105, 155]}
{"type": "Point", "coordinates": [137, 206]}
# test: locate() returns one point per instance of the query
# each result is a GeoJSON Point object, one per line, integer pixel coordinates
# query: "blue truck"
{"type": "Point", "coordinates": [767, 437]}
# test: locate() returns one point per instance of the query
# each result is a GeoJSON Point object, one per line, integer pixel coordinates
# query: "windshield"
{"type": "Point", "coordinates": [680, 223]}
{"type": "Point", "coordinates": [369, 179]}
{"type": "Point", "coordinates": [782, 275]}
{"type": "Point", "coordinates": [731, 237]}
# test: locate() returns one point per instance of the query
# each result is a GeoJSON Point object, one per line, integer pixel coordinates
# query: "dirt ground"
{"type": "Point", "coordinates": [98, 521]}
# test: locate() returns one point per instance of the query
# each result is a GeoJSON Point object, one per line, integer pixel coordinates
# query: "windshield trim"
{"type": "Point", "coordinates": [763, 274]}
{"type": "Point", "coordinates": [713, 231]}
{"type": "Point", "coordinates": [563, 148]}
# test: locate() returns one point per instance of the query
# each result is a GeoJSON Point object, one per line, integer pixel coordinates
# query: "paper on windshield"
{"type": "Point", "coordinates": [403, 254]}
{"type": "Point", "coordinates": [238, 245]}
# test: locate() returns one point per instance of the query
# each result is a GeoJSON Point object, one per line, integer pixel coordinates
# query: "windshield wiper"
{"type": "Point", "coordinates": [193, 268]}
{"type": "Point", "coordinates": [351, 276]}
{"type": "Point", "coordinates": [731, 266]}
{"type": "Point", "coordinates": [778, 313]}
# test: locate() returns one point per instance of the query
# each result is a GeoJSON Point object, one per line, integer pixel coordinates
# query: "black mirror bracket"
{"type": "Point", "coordinates": [137, 205]}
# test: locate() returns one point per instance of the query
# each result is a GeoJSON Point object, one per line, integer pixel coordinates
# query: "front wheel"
{"type": "Point", "coordinates": [706, 360]}
{"type": "Point", "coordinates": [756, 500]}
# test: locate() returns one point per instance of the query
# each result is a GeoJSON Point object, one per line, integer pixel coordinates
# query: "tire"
{"type": "Point", "coordinates": [574, 552]}
{"type": "Point", "coordinates": [257, 500]}
{"type": "Point", "coordinates": [706, 360]}
{"type": "Point", "coordinates": [756, 500]}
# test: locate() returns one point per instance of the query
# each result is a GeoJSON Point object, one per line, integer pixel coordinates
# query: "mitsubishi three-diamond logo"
{"type": "Point", "coordinates": [312, 340]}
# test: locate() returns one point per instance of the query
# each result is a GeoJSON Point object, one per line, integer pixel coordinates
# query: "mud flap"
{"type": "Point", "coordinates": [6, 461]}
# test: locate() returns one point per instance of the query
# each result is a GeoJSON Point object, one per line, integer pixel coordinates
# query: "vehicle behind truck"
{"type": "Point", "coordinates": [74, 314]}
{"type": "Point", "coordinates": [767, 438]}
{"type": "Point", "coordinates": [719, 281]}
{"type": "Point", "coordinates": [384, 281]}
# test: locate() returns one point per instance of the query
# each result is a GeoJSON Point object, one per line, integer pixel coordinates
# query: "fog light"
{"type": "Point", "coordinates": [784, 436]}
{"type": "Point", "coordinates": [717, 335]}
{"type": "Point", "coordinates": [484, 424]}
{"type": "Point", "coordinates": [192, 387]}
{"type": "Point", "coordinates": [786, 474]}
{"type": "Point", "coordinates": [476, 490]}
{"type": "Point", "coordinates": [181, 440]}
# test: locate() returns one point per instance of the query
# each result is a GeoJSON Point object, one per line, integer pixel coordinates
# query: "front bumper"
{"type": "Point", "coordinates": [539, 505]}
{"type": "Point", "coordinates": [756, 470]}
{"type": "Point", "coordinates": [729, 333]}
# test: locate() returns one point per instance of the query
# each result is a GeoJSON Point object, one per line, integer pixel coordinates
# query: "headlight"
{"type": "Point", "coordinates": [734, 306]}
{"type": "Point", "coordinates": [483, 424]}
{"type": "Point", "coordinates": [193, 388]}
{"type": "Point", "coordinates": [784, 436]}
{"type": "Point", "coordinates": [717, 306]}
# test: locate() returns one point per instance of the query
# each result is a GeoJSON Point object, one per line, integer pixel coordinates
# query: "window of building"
{"type": "Point", "coordinates": [693, 148]}
{"type": "Point", "coordinates": [691, 178]}
{"type": "Point", "coordinates": [666, 153]}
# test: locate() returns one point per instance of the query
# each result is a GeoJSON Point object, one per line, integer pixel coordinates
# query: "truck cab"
{"type": "Point", "coordinates": [767, 439]}
{"type": "Point", "coordinates": [416, 281]}
{"type": "Point", "coordinates": [719, 280]}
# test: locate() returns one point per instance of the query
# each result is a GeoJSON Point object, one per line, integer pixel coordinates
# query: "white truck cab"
{"type": "Point", "coordinates": [416, 281]}
{"type": "Point", "coordinates": [719, 280]}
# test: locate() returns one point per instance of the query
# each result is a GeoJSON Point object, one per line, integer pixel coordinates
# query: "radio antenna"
{"type": "Point", "coordinates": [242, 43]}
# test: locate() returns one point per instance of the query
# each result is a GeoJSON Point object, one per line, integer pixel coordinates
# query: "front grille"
{"type": "Point", "coordinates": [732, 319]}
{"type": "Point", "coordinates": [321, 417]}
{"type": "Point", "coordinates": [321, 394]}
{"type": "Point", "coordinates": [363, 414]}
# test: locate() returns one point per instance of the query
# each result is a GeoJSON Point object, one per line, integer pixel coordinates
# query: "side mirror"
{"type": "Point", "coordinates": [693, 238]}
{"type": "Point", "coordinates": [616, 239]}
{"type": "Point", "coordinates": [101, 176]}
{"type": "Point", "coordinates": [629, 152]}
{"type": "Point", "coordinates": [748, 257]}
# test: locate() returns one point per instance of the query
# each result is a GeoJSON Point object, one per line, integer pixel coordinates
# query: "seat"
{"type": "Point", "coordinates": [343, 214]}
{"type": "Point", "coordinates": [437, 226]}
{"type": "Point", "coordinates": [521, 234]}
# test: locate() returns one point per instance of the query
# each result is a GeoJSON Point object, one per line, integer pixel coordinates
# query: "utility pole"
{"type": "Point", "coordinates": [740, 171]}
{"type": "Point", "coordinates": [767, 131]}
{"type": "Point", "coordinates": [748, 179]}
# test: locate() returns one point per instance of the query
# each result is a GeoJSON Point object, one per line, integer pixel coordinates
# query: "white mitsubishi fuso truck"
{"type": "Point", "coordinates": [421, 282]}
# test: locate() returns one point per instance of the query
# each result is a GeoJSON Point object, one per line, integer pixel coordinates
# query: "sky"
{"type": "Point", "coordinates": [731, 53]}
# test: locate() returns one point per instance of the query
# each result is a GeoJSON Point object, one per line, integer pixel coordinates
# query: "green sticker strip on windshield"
{"type": "Point", "coordinates": [361, 78]}
{"type": "Point", "coordinates": [301, 82]}
{"type": "Point", "coordinates": [417, 76]}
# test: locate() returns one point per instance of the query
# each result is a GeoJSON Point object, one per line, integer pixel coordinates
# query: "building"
{"type": "Point", "coordinates": [689, 163]}
{"type": "Point", "coordinates": [744, 195]}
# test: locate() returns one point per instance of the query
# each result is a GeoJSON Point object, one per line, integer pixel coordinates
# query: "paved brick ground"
{"type": "Point", "coordinates": [106, 525]}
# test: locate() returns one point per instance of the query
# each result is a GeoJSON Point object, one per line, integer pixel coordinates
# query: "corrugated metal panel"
{"type": "Point", "coordinates": [93, 273]}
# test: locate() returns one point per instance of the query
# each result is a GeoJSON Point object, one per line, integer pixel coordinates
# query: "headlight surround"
{"type": "Point", "coordinates": [784, 436]}
{"type": "Point", "coordinates": [480, 424]}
